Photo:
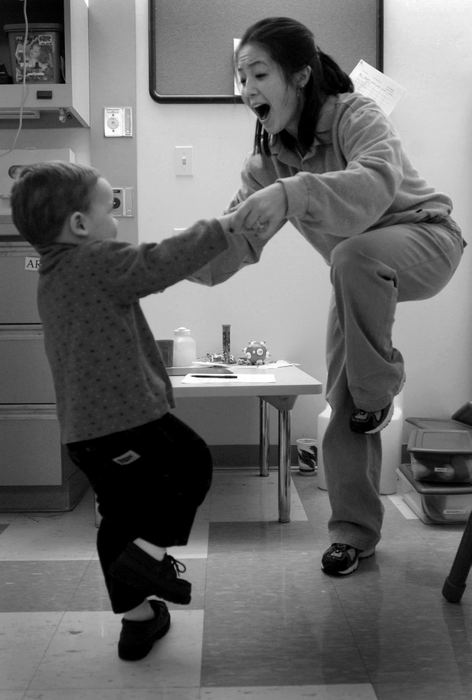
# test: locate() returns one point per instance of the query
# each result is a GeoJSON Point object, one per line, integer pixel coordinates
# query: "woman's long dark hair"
{"type": "Point", "coordinates": [292, 46]}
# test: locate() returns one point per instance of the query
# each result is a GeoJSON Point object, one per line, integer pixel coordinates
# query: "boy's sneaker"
{"type": "Point", "coordinates": [369, 422]}
{"type": "Point", "coordinates": [152, 577]}
{"type": "Point", "coordinates": [137, 638]}
{"type": "Point", "coordinates": [342, 559]}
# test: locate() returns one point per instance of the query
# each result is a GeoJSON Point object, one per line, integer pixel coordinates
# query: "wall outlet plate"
{"type": "Point", "coordinates": [118, 121]}
{"type": "Point", "coordinates": [123, 204]}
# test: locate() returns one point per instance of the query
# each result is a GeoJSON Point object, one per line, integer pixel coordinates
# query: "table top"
{"type": "Point", "coordinates": [290, 381]}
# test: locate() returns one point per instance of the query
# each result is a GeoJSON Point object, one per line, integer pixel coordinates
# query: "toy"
{"type": "Point", "coordinates": [255, 353]}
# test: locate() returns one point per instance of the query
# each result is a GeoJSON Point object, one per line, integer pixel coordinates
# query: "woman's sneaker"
{"type": "Point", "coordinates": [370, 422]}
{"type": "Point", "coordinates": [342, 559]}
{"type": "Point", "coordinates": [137, 637]}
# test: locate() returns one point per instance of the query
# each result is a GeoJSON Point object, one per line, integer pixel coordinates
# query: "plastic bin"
{"type": "Point", "coordinates": [43, 48]}
{"type": "Point", "coordinates": [435, 504]}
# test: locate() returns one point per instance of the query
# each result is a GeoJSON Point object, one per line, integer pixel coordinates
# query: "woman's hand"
{"type": "Point", "coordinates": [263, 210]}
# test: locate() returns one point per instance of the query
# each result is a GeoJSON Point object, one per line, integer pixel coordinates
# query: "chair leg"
{"type": "Point", "coordinates": [454, 585]}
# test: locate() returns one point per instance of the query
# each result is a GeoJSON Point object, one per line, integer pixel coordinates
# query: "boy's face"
{"type": "Point", "coordinates": [100, 222]}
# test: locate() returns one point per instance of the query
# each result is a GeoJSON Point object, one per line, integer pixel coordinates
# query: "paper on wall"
{"type": "Point", "coordinates": [370, 82]}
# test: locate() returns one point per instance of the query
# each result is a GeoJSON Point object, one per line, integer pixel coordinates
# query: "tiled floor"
{"type": "Point", "coordinates": [264, 623]}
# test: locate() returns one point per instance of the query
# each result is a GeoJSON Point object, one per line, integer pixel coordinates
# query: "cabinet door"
{"type": "Point", "coordinates": [69, 97]}
{"type": "Point", "coordinates": [18, 284]}
{"type": "Point", "coordinates": [25, 377]}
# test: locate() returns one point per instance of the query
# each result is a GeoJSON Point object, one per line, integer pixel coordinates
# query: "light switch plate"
{"type": "Point", "coordinates": [184, 160]}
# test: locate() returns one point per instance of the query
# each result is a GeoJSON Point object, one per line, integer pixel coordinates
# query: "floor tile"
{"type": "Point", "coordinates": [82, 655]}
{"type": "Point", "coordinates": [443, 689]}
{"type": "Point", "coordinates": [40, 586]}
{"type": "Point", "coordinates": [301, 692]}
{"type": "Point", "coordinates": [286, 622]}
{"type": "Point", "coordinates": [50, 536]}
{"type": "Point", "coordinates": [24, 640]}
{"type": "Point", "coordinates": [244, 495]}
{"type": "Point", "coordinates": [114, 694]}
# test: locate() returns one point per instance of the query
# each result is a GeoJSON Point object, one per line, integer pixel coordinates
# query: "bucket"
{"type": "Point", "coordinates": [307, 451]}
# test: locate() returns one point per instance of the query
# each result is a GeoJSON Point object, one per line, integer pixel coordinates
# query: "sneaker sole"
{"type": "Point", "coordinates": [389, 415]}
{"type": "Point", "coordinates": [383, 424]}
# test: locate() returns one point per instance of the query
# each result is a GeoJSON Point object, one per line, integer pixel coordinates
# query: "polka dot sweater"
{"type": "Point", "coordinates": [107, 371]}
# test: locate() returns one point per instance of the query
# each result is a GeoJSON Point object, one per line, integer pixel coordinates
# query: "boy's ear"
{"type": "Point", "coordinates": [77, 224]}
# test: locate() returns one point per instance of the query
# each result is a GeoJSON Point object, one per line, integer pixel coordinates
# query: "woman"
{"type": "Point", "coordinates": [328, 160]}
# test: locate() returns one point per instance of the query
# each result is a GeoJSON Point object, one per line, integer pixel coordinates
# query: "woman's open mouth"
{"type": "Point", "coordinates": [262, 112]}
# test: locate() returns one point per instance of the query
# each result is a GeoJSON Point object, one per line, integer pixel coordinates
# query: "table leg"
{"type": "Point", "coordinates": [264, 443]}
{"type": "Point", "coordinates": [284, 465]}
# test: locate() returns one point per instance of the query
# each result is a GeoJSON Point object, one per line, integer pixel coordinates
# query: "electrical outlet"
{"type": "Point", "coordinates": [123, 202]}
{"type": "Point", "coordinates": [183, 160]}
{"type": "Point", "coordinates": [118, 121]}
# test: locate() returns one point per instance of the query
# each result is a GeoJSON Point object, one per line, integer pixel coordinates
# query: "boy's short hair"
{"type": "Point", "coordinates": [45, 194]}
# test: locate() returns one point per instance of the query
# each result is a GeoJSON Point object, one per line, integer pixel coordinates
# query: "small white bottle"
{"type": "Point", "coordinates": [185, 348]}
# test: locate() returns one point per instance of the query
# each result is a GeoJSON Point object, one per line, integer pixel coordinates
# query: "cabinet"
{"type": "Point", "coordinates": [36, 473]}
{"type": "Point", "coordinates": [49, 104]}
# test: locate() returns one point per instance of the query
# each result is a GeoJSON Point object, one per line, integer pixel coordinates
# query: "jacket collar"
{"type": "Point", "coordinates": [323, 136]}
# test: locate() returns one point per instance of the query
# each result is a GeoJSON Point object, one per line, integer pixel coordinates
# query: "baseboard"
{"type": "Point", "coordinates": [248, 455]}
{"type": "Point", "coordinates": [43, 499]}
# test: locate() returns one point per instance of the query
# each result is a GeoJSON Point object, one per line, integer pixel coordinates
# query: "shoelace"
{"type": "Point", "coordinates": [179, 567]}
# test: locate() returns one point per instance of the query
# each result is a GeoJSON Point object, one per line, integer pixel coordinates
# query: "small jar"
{"type": "Point", "coordinates": [185, 348]}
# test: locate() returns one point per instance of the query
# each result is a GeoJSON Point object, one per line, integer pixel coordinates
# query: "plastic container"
{"type": "Point", "coordinates": [185, 348]}
{"type": "Point", "coordinates": [435, 504]}
{"type": "Point", "coordinates": [43, 47]}
{"type": "Point", "coordinates": [391, 437]}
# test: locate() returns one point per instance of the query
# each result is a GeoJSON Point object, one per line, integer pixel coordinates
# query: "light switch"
{"type": "Point", "coordinates": [183, 160]}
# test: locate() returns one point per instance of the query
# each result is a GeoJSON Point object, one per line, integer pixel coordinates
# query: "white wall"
{"type": "Point", "coordinates": [428, 50]}
{"type": "Point", "coordinates": [283, 300]}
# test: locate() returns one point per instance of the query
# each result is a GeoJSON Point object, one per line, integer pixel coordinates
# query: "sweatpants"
{"type": "Point", "coordinates": [370, 274]}
{"type": "Point", "coordinates": [149, 482]}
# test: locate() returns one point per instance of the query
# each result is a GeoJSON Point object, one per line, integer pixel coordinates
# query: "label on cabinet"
{"type": "Point", "coordinates": [32, 263]}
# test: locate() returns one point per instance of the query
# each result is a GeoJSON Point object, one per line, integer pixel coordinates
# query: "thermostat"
{"type": "Point", "coordinates": [118, 121]}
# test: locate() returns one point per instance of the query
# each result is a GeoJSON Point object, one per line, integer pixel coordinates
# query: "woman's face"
{"type": "Point", "coordinates": [266, 91]}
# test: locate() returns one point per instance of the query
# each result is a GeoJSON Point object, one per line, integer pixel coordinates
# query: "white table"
{"type": "Point", "coordinates": [290, 383]}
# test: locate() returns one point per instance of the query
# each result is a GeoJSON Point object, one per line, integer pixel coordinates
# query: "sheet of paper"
{"type": "Point", "coordinates": [370, 82]}
{"type": "Point", "coordinates": [249, 378]}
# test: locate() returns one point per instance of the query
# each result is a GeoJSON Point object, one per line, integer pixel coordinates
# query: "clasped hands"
{"type": "Point", "coordinates": [261, 214]}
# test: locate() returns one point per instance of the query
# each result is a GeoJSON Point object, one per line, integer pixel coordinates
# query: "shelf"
{"type": "Point", "coordinates": [69, 100]}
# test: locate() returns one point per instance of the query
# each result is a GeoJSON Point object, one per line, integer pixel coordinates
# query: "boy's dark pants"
{"type": "Point", "coordinates": [149, 482]}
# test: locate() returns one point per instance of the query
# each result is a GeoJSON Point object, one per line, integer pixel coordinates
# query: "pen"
{"type": "Point", "coordinates": [215, 376]}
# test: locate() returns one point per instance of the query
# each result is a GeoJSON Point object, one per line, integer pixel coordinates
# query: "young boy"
{"type": "Point", "coordinates": [149, 470]}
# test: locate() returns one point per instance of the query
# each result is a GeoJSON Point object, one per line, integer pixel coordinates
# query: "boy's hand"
{"type": "Point", "coordinates": [232, 225]}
